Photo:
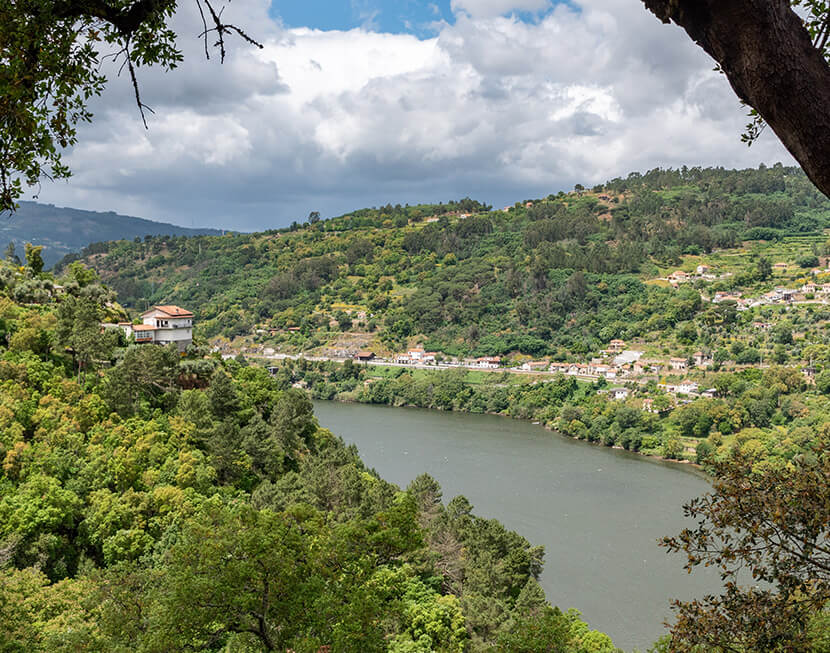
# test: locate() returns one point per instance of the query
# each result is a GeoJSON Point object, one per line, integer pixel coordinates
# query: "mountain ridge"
{"type": "Point", "coordinates": [63, 230]}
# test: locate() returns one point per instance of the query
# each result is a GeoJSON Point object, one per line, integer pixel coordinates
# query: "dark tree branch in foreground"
{"type": "Point", "coordinates": [774, 64]}
{"type": "Point", "coordinates": [51, 51]}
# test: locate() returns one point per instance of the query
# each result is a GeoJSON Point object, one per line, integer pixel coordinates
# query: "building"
{"type": "Point", "coordinates": [163, 325]}
{"type": "Point", "coordinates": [686, 388]}
{"type": "Point", "coordinates": [429, 357]}
{"type": "Point", "coordinates": [702, 269]}
{"type": "Point", "coordinates": [488, 362]}
{"type": "Point", "coordinates": [416, 354]}
{"type": "Point", "coordinates": [616, 345]}
{"type": "Point", "coordinates": [364, 356]}
{"type": "Point", "coordinates": [678, 363]}
{"type": "Point", "coordinates": [618, 393]}
{"type": "Point", "coordinates": [535, 366]}
{"type": "Point", "coordinates": [701, 359]}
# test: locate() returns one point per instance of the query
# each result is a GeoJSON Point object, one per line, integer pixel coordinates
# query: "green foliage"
{"type": "Point", "coordinates": [173, 503]}
{"type": "Point", "coordinates": [554, 277]}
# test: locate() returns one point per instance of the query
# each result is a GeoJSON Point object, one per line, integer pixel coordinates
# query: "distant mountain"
{"type": "Point", "coordinates": [64, 230]}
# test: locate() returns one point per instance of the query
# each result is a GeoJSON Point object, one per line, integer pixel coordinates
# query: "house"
{"type": "Point", "coordinates": [763, 326]}
{"type": "Point", "coordinates": [535, 366]}
{"type": "Point", "coordinates": [709, 393]}
{"type": "Point", "coordinates": [618, 393]}
{"type": "Point", "coordinates": [678, 363]}
{"type": "Point", "coordinates": [364, 356]}
{"type": "Point", "coordinates": [616, 345]}
{"type": "Point", "coordinates": [488, 362]}
{"type": "Point", "coordinates": [678, 276]}
{"type": "Point", "coordinates": [686, 388]}
{"type": "Point", "coordinates": [429, 357]}
{"type": "Point", "coordinates": [701, 359]}
{"type": "Point", "coordinates": [604, 371]}
{"type": "Point", "coordinates": [163, 325]}
{"type": "Point", "coordinates": [416, 354]}
{"type": "Point", "coordinates": [403, 359]}
{"type": "Point", "coordinates": [702, 269]}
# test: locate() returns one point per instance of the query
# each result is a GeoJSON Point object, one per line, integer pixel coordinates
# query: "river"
{"type": "Point", "coordinates": [597, 511]}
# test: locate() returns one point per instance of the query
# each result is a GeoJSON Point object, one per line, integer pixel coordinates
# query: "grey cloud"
{"type": "Point", "coordinates": [491, 107]}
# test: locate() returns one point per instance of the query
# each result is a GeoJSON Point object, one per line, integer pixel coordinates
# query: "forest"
{"type": "Point", "coordinates": [155, 502]}
{"type": "Point", "coordinates": [551, 276]}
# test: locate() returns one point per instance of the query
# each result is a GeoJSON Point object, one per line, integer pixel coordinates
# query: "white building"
{"type": "Point", "coordinates": [163, 325]}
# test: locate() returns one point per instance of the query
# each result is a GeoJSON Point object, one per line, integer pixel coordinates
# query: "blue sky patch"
{"type": "Point", "coordinates": [389, 16]}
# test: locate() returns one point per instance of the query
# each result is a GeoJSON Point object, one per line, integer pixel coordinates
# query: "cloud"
{"type": "Point", "coordinates": [491, 106]}
{"type": "Point", "coordinates": [490, 8]}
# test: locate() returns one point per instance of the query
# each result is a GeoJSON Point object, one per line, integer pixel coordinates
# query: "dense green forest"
{"type": "Point", "coordinates": [553, 276]}
{"type": "Point", "coordinates": [154, 502]}
{"type": "Point", "coordinates": [61, 231]}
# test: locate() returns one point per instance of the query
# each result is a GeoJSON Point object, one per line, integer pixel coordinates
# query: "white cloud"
{"type": "Point", "coordinates": [491, 106]}
{"type": "Point", "coordinates": [490, 8]}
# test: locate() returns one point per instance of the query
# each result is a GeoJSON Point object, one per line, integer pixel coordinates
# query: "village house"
{"type": "Point", "coordinates": [364, 356]}
{"type": "Point", "coordinates": [686, 388]}
{"type": "Point", "coordinates": [162, 325]}
{"type": "Point", "coordinates": [702, 269]}
{"type": "Point", "coordinates": [416, 354]}
{"type": "Point", "coordinates": [429, 357]}
{"type": "Point", "coordinates": [535, 366]}
{"type": "Point", "coordinates": [678, 276]}
{"type": "Point", "coordinates": [618, 393]}
{"type": "Point", "coordinates": [616, 345]}
{"type": "Point", "coordinates": [402, 359]}
{"type": "Point", "coordinates": [725, 297]}
{"type": "Point", "coordinates": [488, 362]}
{"type": "Point", "coordinates": [678, 363]}
{"type": "Point", "coordinates": [701, 359]}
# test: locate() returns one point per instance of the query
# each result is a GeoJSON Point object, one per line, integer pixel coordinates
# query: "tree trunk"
{"type": "Point", "coordinates": [771, 63]}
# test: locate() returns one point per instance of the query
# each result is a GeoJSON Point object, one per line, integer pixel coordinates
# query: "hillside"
{"type": "Point", "coordinates": [64, 230]}
{"type": "Point", "coordinates": [558, 276]}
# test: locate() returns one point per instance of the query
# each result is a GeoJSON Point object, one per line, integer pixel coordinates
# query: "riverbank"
{"type": "Point", "coordinates": [598, 512]}
{"type": "Point", "coordinates": [770, 413]}
{"type": "Point", "coordinates": [689, 464]}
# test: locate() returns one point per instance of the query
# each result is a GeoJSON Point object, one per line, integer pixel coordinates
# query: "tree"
{"type": "Point", "coordinates": [775, 62]}
{"type": "Point", "coordinates": [773, 523]}
{"type": "Point", "coordinates": [33, 258]}
{"type": "Point", "coordinates": [51, 53]}
{"type": "Point", "coordinates": [764, 268]}
{"type": "Point", "coordinates": [79, 329]}
{"type": "Point", "coordinates": [11, 255]}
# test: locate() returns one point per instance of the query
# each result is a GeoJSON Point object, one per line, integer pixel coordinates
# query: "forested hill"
{"type": "Point", "coordinates": [567, 272]}
{"type": "Point", "coordinates": [64, 230]}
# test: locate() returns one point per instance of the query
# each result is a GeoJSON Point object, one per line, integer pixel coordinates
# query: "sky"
{"type": "Point", "coordinates": [361, 103]}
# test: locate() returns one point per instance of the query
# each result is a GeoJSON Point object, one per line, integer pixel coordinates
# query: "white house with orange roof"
{"type": "Point", "coordinates": [164, 325]}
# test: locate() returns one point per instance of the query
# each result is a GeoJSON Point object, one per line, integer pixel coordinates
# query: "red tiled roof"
{"type": "Point", "coordinates": [171, 310]}
{"type": "Point", "coordinates": [143, 327]}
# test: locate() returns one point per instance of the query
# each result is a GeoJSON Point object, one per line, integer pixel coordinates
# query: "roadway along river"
{"type": "Point", "coordinates": [597, 511]}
